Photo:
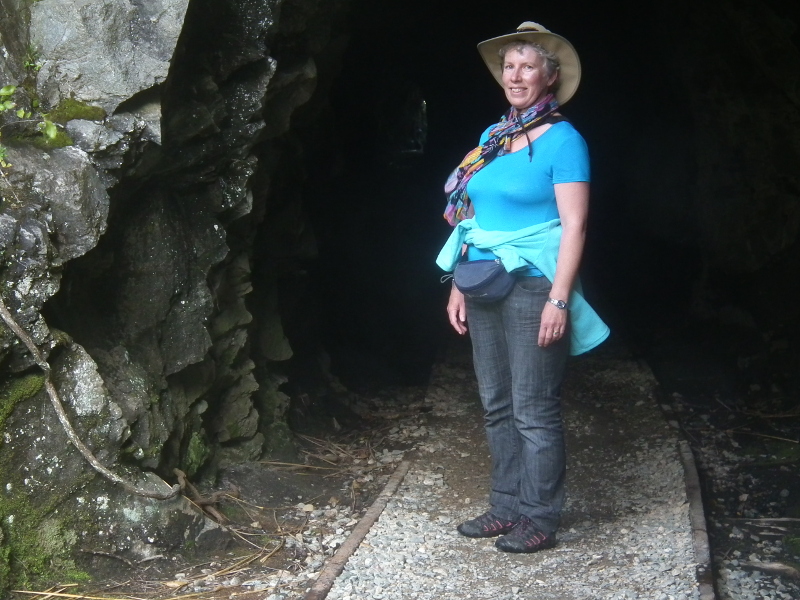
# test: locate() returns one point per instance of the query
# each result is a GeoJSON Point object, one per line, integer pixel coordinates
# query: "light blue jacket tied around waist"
{"type": "Point", "coordinates": [536, 245]}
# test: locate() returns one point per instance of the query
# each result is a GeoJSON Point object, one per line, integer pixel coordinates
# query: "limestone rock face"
{"type": "Point", "coordinates": [127, 255]}
{"type": "Point", "coordinates": [78, 202]}
{"type": "Point", "coordinates": [104, 51]}
{"type": "Point", "coordinates": [13, 39]}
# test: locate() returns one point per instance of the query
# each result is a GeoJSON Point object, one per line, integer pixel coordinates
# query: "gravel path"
{"type": "Point", "coordinates": [626, 531]}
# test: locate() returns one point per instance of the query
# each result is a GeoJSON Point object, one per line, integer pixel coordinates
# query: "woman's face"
{"type": "Point", "coordinates": [525, 79]}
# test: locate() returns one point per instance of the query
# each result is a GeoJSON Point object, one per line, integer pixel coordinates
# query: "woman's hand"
{"type": "Point", "coordinates": [554, 324]}
{"type": "Point", "coordinates": [457, 311]}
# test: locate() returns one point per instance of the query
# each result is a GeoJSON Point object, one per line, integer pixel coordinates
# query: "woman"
{"type": "Point", "coordinates": [523, 196]}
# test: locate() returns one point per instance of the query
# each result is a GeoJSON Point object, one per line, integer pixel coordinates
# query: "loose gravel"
{"type": "Point", "coordinates": [626, 530]}
{"type": "Point", "coordinates": [625, 534]}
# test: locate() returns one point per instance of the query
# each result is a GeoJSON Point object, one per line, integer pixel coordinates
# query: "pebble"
{"type": "Point", "coordinates": [644, 550]}
{"type": "Point", "coordinates": [640, 550]}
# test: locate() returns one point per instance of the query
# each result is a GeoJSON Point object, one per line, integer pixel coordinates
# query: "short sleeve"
{"type": "Point", "coordinates": [571, 159]}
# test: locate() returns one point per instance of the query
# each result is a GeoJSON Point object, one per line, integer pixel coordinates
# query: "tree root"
{"type": "Point", "coordinates": [62, 415]}
{"type": "Point", "coordinates": [205, 504]}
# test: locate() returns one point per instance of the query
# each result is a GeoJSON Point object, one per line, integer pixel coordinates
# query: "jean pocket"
{"type": "Point", "coordinates": [540, 285]}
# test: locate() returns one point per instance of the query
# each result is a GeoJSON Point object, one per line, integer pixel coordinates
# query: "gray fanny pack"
{"type": "Point", "coordinates": [483, 280]}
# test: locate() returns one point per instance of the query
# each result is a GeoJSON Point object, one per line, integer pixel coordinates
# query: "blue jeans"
{"type": "Point", "coordinates": [520, 387]}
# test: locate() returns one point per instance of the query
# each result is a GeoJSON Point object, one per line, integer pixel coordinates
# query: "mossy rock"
{"type": "Point", "coordinates": [196, 454]}
{"type": "Point", "coordinates": [60, 140]}
{"type": "Point", "coordinates": [41, 141]}
{"type": "Point", "coordinates": [35, 543]}
{"type": "Point", "coordinates": [38, 546]}
{"type": "Point", "coordinates": [71, 109]}
{"type": "Point", "coordinates": [15, 391]}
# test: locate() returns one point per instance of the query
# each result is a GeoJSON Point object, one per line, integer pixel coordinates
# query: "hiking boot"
{"type": "Point", "coordinates": [525, 537]}
{"type": "Point", "coordinates": [485, 526]}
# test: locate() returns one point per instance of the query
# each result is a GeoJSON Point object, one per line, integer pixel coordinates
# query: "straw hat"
{"type": "Point", "coordinates": [569, 72]}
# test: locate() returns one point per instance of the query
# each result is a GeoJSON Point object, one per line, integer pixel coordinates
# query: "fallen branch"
{"type": "Point", "coordinates": [109, 555]}
{"type": "Point", "coordinates": [774, 568]}
{"type": "Point", "coordinates": [771, 437]}
{"type": "Point", "coordinates": [764, 519]}
{"type": "Point", "coordinates": [149, 558]}
{"type": "Point", "coordinates": [62, 595]}
{"type": "Point", "coordinates": [62, 415]}
{"type": "Point", "coordinates": [58, 589]}
{"type": "Point", "coordinates": [297, 466]}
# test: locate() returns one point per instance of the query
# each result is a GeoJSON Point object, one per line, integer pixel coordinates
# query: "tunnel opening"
{"type": "Point", "coordinates": [345, 187]}
{"type": "Point", "coordinates": [275, 211]}
{"type": "Point", "coordinates": [679, 241]}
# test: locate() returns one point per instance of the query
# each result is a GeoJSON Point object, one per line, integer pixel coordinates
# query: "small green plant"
{"type": "Point", "coordinates": [6, 104]}
{"type": "Point", "coordinates": [5, 98]}
{"type": "Point", "coordinates": [31, 60]}
{"type": "Point", "coordinates": [48, 129]}
{"type": "Point", "coordinates": [46, 125]}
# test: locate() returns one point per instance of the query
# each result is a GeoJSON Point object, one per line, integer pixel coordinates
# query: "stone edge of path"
{"type": "Point", "coordinates": [336, 564]}
{"type": "Point", "coordinates": [702, 549]}
{"type": "Point", "coordinates": [697, 517]}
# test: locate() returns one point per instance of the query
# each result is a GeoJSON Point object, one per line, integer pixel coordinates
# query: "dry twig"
{"type": "Point", "coordinates": [204, 504]}
{"type": "Point", "coordinates": [62, 595]}
{"type": "Point", "coordinates": [109, 555]}
{"type": "Point", "coordinates": [763, 435]}
{"type": "Point", "coordinates": [294, 466]}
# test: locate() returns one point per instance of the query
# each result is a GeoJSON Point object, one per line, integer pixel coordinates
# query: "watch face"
{"type": "Point", "coordinates": [559, 303]}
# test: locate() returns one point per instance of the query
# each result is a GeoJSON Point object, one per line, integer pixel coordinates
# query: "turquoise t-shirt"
{"type": "Point", "coordinates": [513, 192]}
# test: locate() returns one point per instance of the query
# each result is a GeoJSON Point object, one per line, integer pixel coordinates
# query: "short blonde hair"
{"type": "Point", "coordinates": [549, 58]}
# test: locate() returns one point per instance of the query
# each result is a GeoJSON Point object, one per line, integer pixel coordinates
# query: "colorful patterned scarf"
{"type": "Point", "coordinates": [459, 206]}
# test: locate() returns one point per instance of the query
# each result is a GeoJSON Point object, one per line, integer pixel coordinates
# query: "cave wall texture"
{"type": "Point", "coordinates": [160, 248]}
{"type": "Point", "coordinates": [128, 249]}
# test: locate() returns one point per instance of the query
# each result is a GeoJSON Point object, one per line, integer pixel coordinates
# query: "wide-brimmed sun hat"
{"type": "Point", "coordinates": [570, 64]}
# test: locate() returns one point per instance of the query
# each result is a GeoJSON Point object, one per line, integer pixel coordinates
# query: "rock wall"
{"type": "Point", "coordinates": [128, 254]}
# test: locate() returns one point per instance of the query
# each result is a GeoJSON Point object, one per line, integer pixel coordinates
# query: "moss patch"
{"type": "Point", "coordinates": [60, 140]}
{"type": "Point", "coordinates": [792, 544]}
{"type": "Point", "coordinates": [70, 109]}
{"type": "Point", "coordinates": [196, 454]}
{"type": "Point", "coordinates": [17, 390]}
{"type": "Point", "coordinates": [35, 542]}
{"type": "Point", "coordinates": [37, 546]}
{"type": "Point", "coordinates": [279, 440]}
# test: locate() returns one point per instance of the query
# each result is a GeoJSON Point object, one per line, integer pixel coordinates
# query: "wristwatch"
{"type": "Point", "coordinates": [560, 304]}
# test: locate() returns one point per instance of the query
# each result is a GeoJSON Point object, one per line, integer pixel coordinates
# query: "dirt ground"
{"type": "Point", "coordinates": [282, 517]}
{"type": "Point", "coordinates": [287, 518]}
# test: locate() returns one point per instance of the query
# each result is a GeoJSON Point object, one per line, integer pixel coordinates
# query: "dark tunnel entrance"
{"type": "Point", "coordinates": [680, 252]}
{"type": "Point", "coordinates": [692, 248]}
{"type": "Point", "coordinates": [274, 212]}
{"type": "Point", "coordinates": [693, 224]}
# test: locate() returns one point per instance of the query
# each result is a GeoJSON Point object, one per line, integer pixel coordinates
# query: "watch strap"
{"type": "Point", "coordinates": [560, 304]}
